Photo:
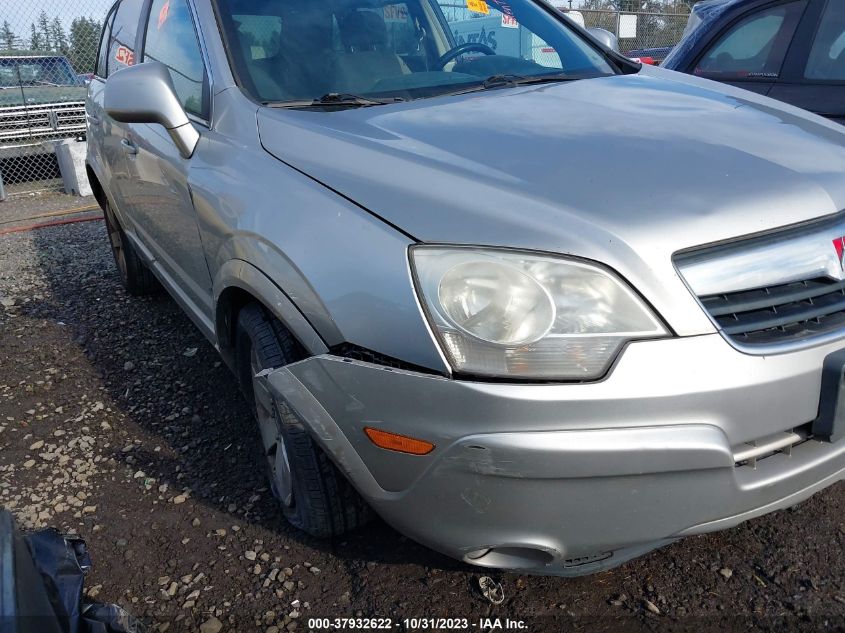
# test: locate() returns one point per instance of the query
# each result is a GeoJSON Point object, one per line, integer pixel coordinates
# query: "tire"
{"type": "Point", "coordinates": [315, 497]}
{"type": "Point", "coordinates": [137, 278]}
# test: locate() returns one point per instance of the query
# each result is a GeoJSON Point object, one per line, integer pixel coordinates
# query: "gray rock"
{"type": "Point", "coordinates": [212, 625]}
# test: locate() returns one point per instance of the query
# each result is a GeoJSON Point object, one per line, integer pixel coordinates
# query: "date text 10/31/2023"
{"type": "Point", "coordinates": [416, 624]}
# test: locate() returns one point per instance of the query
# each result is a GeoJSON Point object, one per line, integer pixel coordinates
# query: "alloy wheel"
{"type": "Point", "coordinates": [272, 438]}
{"type": "Point", "coordinates": [116, 241]}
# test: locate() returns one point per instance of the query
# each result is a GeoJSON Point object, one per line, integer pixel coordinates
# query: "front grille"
{"type": "Point", "coordinates": [586, 560]}
{"type": "Point", "coordinates": [14, 123]}
{"type": "Point", "coordinates": [780, 314]}
{"type": "Point", "coordinates": [57, 120]}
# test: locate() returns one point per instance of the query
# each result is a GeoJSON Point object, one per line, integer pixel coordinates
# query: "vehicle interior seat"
{"type": "Point", "coordinates": [302, 67]}
{"type": "Point", "coordinates": [366, 58]}
{"type": "Point", "coordinates": [264, 84]}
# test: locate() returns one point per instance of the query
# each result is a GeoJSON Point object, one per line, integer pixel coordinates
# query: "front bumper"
{"type": "Point", "coordinates": [573, 478]}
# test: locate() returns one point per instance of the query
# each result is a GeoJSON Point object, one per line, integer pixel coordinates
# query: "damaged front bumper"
{"type": "Point", "coordinates": [571, 479]}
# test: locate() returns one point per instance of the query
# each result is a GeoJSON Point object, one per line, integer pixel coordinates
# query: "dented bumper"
{"type": "Point", "coordinates": [573, 478]}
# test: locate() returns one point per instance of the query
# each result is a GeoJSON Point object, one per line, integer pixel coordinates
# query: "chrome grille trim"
{"type": "Point", "coordinates": [794, 254]}
{"type": "Point", "coordinates": [42, 121]}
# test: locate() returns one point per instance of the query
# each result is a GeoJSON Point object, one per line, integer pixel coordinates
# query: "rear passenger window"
{"type": "Point", "coordinates": [755, 47]}
{"type": "Point", "coordinates": [122, 37]}
{"type": "Point", "coordinates": [827, 57]}
{"type": "Point", "coordinates": [171, 39]}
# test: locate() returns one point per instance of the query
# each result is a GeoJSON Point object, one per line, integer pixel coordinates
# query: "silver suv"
{"type": "Point", "coordinates": [417, 234]}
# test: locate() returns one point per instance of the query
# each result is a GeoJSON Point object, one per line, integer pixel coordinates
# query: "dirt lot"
{"type": "Point", "coordinates": [118, 422]}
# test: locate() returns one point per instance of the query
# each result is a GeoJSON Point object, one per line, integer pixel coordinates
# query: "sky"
{"type": "Point", "coordinates": [21, 13]}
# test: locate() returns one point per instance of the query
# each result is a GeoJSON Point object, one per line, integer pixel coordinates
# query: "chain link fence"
{"type": "Point", "coordinates": [638, 30]}
{"type": "Point", "coordinates": [48, 50]}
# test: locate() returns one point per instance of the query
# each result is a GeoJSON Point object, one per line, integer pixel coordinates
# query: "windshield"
{"type": "Point", "coordinates": [46, 71]}
{"type": "Point", "coordinates": [301, 50]}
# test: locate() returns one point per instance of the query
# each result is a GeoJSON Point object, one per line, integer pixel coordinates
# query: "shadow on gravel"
{"type": "Point", "coordinates": [166, 378]}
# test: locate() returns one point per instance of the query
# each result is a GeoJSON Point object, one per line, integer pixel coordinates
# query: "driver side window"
{"type": "Point", "coordinates": [755, 47]}
{"type": "Point", "coordinates": [171, 39]}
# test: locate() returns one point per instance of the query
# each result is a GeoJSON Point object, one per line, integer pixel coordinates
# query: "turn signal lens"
{"type": "Point", "coordinates": [398, 443]}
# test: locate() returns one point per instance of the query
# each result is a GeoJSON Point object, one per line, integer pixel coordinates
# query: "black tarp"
{"type": "Point", "coordinates": [42, 582]}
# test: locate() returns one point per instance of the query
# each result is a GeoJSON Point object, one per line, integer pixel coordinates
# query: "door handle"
{"type": "Point", "coordinates": [129, 147]}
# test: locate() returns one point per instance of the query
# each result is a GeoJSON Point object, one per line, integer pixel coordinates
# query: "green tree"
{"type": "Point", "coordinates": [7, 36]}
{"type": "Point", "coordinates": [36, 40]}
{"type": "Point", "coordinates": [662, 23]}
{"type": "Point", "coordinates": [45, 30]}
{"type": "Point", "coordinates": [84, 40]}
{"type": "Point", "coordinates": [59, 36]}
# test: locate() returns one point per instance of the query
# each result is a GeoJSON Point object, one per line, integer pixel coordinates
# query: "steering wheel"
{"type": "Point", "coordinates": [460, 49]}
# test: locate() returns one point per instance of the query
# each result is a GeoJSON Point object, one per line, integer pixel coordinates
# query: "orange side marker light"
{"type": "Point", "coordinates": [398, 443]}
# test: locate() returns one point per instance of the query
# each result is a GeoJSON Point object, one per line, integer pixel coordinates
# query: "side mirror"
{"type": "Point", "coordinates": [605, 37]}
{"type": "Point", "coordinates": [145, 94]}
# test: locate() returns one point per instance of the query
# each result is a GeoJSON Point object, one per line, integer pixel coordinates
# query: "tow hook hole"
{"type": "Point", "coordinates": [510, 557]}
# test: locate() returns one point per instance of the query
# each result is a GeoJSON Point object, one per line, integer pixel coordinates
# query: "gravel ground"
{"type": "Point", "coordinates": [119, 423]}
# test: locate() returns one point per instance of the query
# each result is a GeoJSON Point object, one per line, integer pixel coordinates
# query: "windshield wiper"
{"type": "Point", "coordinates": [509, 81]}
{"type": "Point", "coordinates": [341, 99]}
{"type": "Point", "coordinates": [497, 81]}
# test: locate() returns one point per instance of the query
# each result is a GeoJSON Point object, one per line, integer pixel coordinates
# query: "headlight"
{"type": "Point", "coordinates": [509, 314]}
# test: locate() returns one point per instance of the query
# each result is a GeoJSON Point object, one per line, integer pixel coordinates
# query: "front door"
{"type": "Point", "coordinates": [158, 194]}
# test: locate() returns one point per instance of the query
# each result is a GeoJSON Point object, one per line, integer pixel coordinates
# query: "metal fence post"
{"type": "Point", "coordinates": [2, 188]}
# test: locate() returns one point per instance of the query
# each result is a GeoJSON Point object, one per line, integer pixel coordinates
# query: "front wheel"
{"type": "Point", "coordinates": [315, 497]}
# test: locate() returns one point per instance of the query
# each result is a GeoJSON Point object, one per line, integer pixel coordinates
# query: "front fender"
{"type": "Point", "coordinates": [241, 275]}
{"type": "Point", "coordinates": [345, 271]}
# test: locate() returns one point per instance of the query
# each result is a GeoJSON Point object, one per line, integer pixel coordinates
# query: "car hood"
{"type": "Point", "coordinates": [626, 170]}
{"type": "Point", "coordinates": [12, 97]}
